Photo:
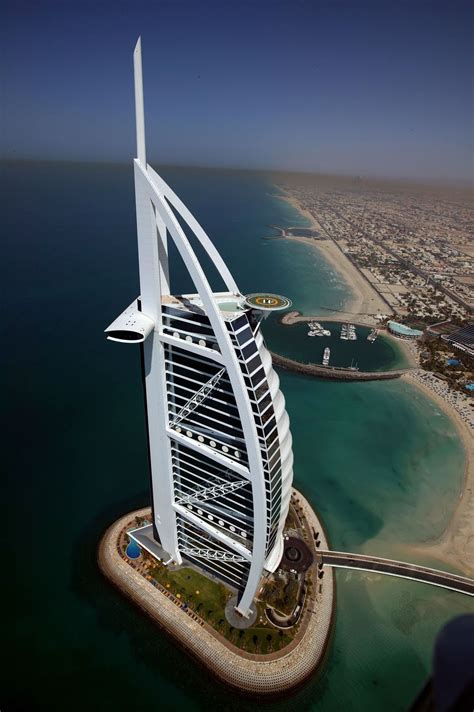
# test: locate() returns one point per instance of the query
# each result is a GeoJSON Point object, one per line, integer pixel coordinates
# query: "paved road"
{"type": "Point", "coordinates": [406, 264]}
{"type": "Point", "coordinates": [434, 577]}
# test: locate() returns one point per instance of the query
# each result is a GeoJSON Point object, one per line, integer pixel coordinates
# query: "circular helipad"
{"type": "Point", "coordinates": [267, 302]}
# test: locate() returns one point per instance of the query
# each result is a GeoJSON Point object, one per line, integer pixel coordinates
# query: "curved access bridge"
{"type": "Point", "coordinates": [444, 579]}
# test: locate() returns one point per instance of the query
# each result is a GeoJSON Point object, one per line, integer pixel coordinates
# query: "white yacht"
{"type": "Point", "coordinates": [315, 329]}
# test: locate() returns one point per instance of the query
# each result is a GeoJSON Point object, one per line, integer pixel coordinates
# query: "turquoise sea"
{"type": "Point", "coordinates": [378, 460]}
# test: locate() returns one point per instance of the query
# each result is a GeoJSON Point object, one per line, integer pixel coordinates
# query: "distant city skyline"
{"type": "Point", "coordinates": [380, 89]}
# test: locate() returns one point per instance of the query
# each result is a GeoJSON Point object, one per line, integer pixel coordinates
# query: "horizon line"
{"type": "Point", "coordinates": [448, 182]}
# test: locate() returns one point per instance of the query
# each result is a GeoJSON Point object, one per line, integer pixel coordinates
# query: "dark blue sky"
{"type": "Point", "coordinates": [358, 87]}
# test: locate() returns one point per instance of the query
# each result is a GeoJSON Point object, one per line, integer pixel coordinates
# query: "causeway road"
{"type": "Point", "coordinates": [346, 560]}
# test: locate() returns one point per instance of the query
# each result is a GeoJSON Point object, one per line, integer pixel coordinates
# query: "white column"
{"type": "Point", "coordinates": [154, 362]}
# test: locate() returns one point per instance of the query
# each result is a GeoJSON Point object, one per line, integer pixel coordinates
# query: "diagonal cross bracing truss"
{"type": "Point", "coordinates": [212, 554]}
{"type": "Point", "coordinates": [213, 492]}
{"type": "Point", "coordinates": [197, 398]}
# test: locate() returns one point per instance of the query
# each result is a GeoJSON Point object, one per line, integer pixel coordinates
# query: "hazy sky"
{"type": "Point", "coordinates": [359, 87]}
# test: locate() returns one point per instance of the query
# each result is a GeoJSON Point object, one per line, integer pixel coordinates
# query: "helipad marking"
{"type": "Point", "coordinates": [267, 301]}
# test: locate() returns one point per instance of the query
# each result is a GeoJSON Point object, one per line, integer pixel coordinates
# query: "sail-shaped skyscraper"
{"type": "Point", "coordinates": [220, 447]}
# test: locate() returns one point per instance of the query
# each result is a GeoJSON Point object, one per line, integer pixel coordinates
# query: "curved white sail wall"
{"type": "Point", "coordinates": [219, 439]}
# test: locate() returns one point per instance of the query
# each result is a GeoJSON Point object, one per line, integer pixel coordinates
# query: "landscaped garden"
{"type": "Point", "coordinates": [207, 598]}
{"type": "Point", "coordinates": [281, 592]}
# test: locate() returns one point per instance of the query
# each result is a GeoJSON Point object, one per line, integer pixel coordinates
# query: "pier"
{"type": "Point", "coordinates": [338, 373]}
{"type": "Point", "coordinates": [294, 317]}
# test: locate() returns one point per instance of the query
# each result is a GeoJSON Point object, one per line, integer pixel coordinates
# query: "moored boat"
{"type": "Point", "coordinates": [326, 355]}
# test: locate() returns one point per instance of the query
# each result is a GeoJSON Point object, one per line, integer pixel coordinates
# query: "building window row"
{"type": "Point", "coordinates": [192, 338]}
{"type": "Point", "coordinates": [213, 519]}
{"type": "Point", "coordinates": [210, 442]}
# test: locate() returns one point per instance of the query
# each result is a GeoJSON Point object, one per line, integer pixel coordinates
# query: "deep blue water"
{"type": "Point", "coordinates": [373, 458]}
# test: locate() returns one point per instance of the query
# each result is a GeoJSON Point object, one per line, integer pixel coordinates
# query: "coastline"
{"type": "Point", "coordinates": [456, 543]}
{"type": "Point", "coordinates": [408, 349]}
{"type": "Point", "coordinates": [291, 200]}
{"type": "Point", "coordinates": [365, 300]}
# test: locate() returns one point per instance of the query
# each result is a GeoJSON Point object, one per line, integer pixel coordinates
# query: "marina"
{"type": "Point", "coordinates": [351, 346]}
{"type": "Point", "coordinates": [334, 373]}
{"type": "Point", "coordinates": [315, 329]}
{"type": "Point", "coordinates": [348, 332]}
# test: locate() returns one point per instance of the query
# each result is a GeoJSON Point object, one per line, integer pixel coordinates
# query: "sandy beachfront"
{"type": "Point", "coordinates": [408, 348]}
{"type": "Point", "coordinates": [365, 302]}
{"type": "Point", "coordinates": [456, 544]}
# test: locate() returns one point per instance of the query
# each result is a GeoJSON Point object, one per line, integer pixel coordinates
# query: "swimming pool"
{"type": "Point", "coordinates": [133, 551]}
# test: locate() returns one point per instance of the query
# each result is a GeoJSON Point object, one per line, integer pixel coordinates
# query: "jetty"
{"type": "Point", "coordinates": [337, 373]}
{"type": "Point", "coordinates": [285, 232]}
{"type": "Point", "coordinates": [294, 317]}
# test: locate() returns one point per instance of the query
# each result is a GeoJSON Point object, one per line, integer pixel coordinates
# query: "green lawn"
{"type": "Point", "coordinates": [209, 604]}
{"type": "Point", "coordinates": [205, 596]}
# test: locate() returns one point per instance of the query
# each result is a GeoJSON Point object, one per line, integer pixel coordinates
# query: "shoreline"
{"type": "Point", "coordinates": [456, 544]}
{"type": "Point", "coordinates": [365, 300]}
{"type": "Point", "coordinates": [407, 348]}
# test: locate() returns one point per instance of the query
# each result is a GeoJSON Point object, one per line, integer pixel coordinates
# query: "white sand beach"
{"type": "Point", "coordinates": [456, 544]}
{"type": "Point", "coordinates": [366, 301]}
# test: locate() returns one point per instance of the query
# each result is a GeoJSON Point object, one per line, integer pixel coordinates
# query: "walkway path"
{"type": "Point", "coordinates": [346, 560]}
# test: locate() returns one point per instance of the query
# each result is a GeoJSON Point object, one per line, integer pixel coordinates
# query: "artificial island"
{"type": "Point", "coordinates": [230, 559]}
